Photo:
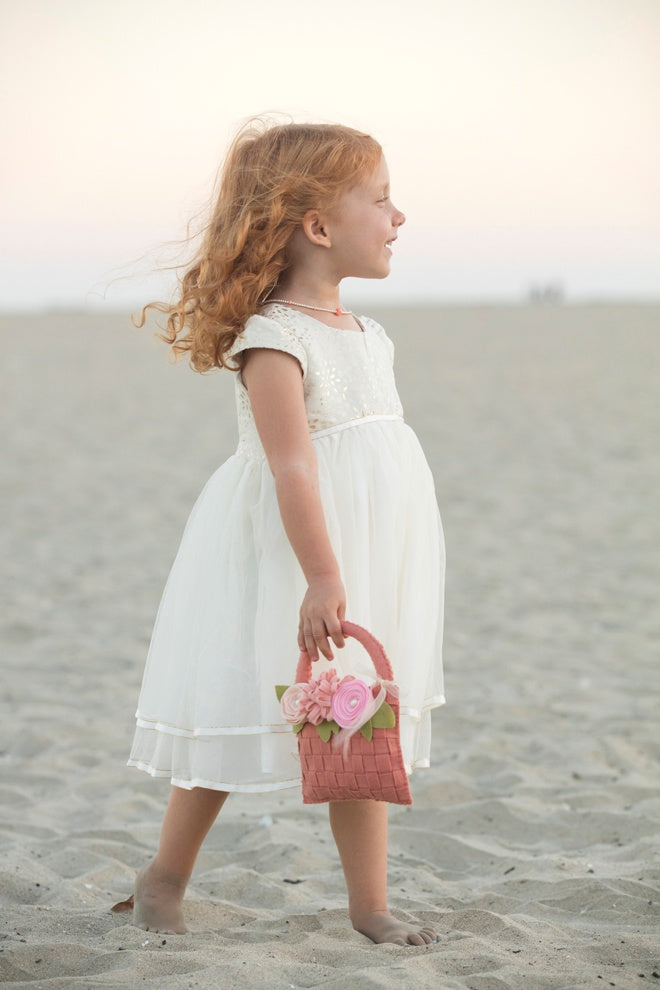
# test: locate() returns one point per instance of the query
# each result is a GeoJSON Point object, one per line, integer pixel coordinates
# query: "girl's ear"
{"type": "Point", "coordinates": [315, 229]}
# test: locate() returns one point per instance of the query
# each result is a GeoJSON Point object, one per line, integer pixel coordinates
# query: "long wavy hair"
{"type": "Point", "coordinates": [272, 175]}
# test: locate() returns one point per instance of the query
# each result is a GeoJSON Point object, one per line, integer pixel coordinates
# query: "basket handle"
{"type": "Point", "coordinates": [375, 650]}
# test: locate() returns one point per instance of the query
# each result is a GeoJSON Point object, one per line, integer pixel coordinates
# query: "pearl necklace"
{"type": "Point", "coordinates": [319, 309]}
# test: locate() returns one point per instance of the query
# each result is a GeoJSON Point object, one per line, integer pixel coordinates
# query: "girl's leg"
{"type": "Point", "coordinates": [159, 887]}
{"type": "Point", "coordinates": [360, 831]}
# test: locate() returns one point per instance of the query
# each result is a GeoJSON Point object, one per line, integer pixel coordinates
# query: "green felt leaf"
{"type": "Point", "coordinates": [384, 717]}
{"type": "Point", "coordinates": [280, 689]}
{"type": "Point", "coordinates": [334, 727]}
{"type": "Point", "coordinates": [324, 730]}
{"type": "Point", "coordinates": [299, 727]}
{"type": "Point", "coordinates": [367, 730]}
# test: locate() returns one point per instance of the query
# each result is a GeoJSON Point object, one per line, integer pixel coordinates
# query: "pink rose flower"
{"type": "Point", "coordinates": [319, 693]}
{"type": "Point", "coordinates": [315, 714]}
{"type": "Point", "coordinates": [294, 704]}
{"type": "Point", "coordinates": [353, 703]}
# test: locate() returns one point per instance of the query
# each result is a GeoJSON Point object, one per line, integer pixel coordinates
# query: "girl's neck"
{"type": "Point", "coordinates": [312, 291]}
{"type": "Point", "coordinates": [317, 299]}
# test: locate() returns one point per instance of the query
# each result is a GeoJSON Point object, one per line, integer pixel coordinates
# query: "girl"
{"type": "Point", "coordinates": [327, 501]}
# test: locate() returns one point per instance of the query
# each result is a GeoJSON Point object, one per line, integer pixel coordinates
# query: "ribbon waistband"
{"type": "Point", "coordinates": [352, 422]}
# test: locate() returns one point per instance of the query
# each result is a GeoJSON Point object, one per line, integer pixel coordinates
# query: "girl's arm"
{"type": "Point", "coordinates": [274, 383]}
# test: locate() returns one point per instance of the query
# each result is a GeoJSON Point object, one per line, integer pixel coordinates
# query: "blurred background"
{"type": "Point", "coordinates": [522, 137]}
{"type": "Point", "coordinates": [524, 147]}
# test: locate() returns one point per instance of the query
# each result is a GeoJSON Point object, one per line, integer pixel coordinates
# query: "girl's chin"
{"type": "Point", "coordinates": [380, 271]}
{"type": "Point", "coordinates": [383, 270]}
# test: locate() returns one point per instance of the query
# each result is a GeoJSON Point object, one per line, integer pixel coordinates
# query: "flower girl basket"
{"type": "Point", "coordinates": [361, 769]}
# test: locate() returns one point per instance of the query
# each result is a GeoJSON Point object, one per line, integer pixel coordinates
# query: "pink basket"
{"type": "Point", "coordinates": [369, 769]}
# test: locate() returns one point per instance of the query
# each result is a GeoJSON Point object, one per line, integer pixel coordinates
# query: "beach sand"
{"type": "Point", "coordinates": [533, 841]}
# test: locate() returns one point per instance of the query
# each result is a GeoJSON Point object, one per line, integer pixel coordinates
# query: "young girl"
{"type": "Point", "coordinates": [327, 509]}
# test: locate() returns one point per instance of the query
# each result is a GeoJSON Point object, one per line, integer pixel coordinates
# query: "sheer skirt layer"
{"type": "Point", "coordinates": [226, 629]}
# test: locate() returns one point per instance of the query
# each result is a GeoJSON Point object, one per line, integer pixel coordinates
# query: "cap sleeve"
{"type": "Point", "coordinates": [259, 331]}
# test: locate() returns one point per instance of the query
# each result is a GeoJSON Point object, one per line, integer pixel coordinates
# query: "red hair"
{"type": "Point", "coordinates": [272, 176]}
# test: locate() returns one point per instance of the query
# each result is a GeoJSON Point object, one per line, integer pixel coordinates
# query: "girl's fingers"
{"type": "Point", "coordinates": [325, 648]}
{"type": "Point", "coordinates": [310, 644]}
{"type": "Point", "coordinates": [321, 637]}
{"type": "Point", "coordinates": [316, 639]}
{"type": "Point", "coordinates": [335, 629]}
{"type": "Point", "coordinates": [319, 620]}
{"type": "Point", "coordinates": [335, 633]}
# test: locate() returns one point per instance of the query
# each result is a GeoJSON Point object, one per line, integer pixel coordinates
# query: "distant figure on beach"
{"type": "Point", "coordinates": [327, 509]}
{"type": "Point", "coordinates": [551, 294]}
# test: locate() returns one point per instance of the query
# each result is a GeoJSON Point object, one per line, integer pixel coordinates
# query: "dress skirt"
{"type": "Point", "coordinates": [226, 629]}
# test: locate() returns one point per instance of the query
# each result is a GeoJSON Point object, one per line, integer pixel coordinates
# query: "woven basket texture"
{"type": "Point", "coordinates": [371, 769]}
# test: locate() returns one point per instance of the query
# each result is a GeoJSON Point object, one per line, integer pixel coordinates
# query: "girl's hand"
{"type": "Point", "coordinates": [322, 609]}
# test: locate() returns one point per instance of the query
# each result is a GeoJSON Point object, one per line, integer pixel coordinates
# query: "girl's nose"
{"type": "Point", "coordinates": [398, 218]}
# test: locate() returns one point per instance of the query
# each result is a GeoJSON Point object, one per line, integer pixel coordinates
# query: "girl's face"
{"type": "Point", "coordinates": [363, 226]}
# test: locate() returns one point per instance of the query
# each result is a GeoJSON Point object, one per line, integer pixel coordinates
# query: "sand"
{"type": "Point", "coordinates": [533, 841]}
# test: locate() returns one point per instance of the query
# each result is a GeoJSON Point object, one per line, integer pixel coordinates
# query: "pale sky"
{"type": "Point", "coordinates": [523, 136]}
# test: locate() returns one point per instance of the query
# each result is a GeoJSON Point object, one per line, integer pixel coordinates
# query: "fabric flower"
{"type": "Point", "coordinates": [294, 703]}
{"type": "Point", "coordinates": [319, 694]}
{"type": "Point", "coordinates": [354, 703]}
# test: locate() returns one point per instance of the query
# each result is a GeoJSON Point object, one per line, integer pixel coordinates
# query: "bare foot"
{"type": "Point", "coordinates": [158, 901]}
{"type": "Point", "coordinates": [381, 926]}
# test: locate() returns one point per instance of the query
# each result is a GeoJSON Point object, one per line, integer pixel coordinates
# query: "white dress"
{"type": "Point", "coordinates": [226, 630]}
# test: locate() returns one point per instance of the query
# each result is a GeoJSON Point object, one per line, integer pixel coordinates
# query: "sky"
{"type": "Point", "coordinates": [522, 137]}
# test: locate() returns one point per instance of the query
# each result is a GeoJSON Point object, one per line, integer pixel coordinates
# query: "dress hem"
{"type": "Point", "coordinates": [154, 725]}
{"type": "Point", "coordinates": [215, 785]}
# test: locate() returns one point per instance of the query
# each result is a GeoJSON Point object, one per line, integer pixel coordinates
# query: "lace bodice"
{"type": "Point", "coordinates": [347, 375]}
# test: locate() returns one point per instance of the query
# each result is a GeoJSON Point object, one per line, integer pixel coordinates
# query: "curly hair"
{"type": "Point", "coordinates": [272, 175]}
